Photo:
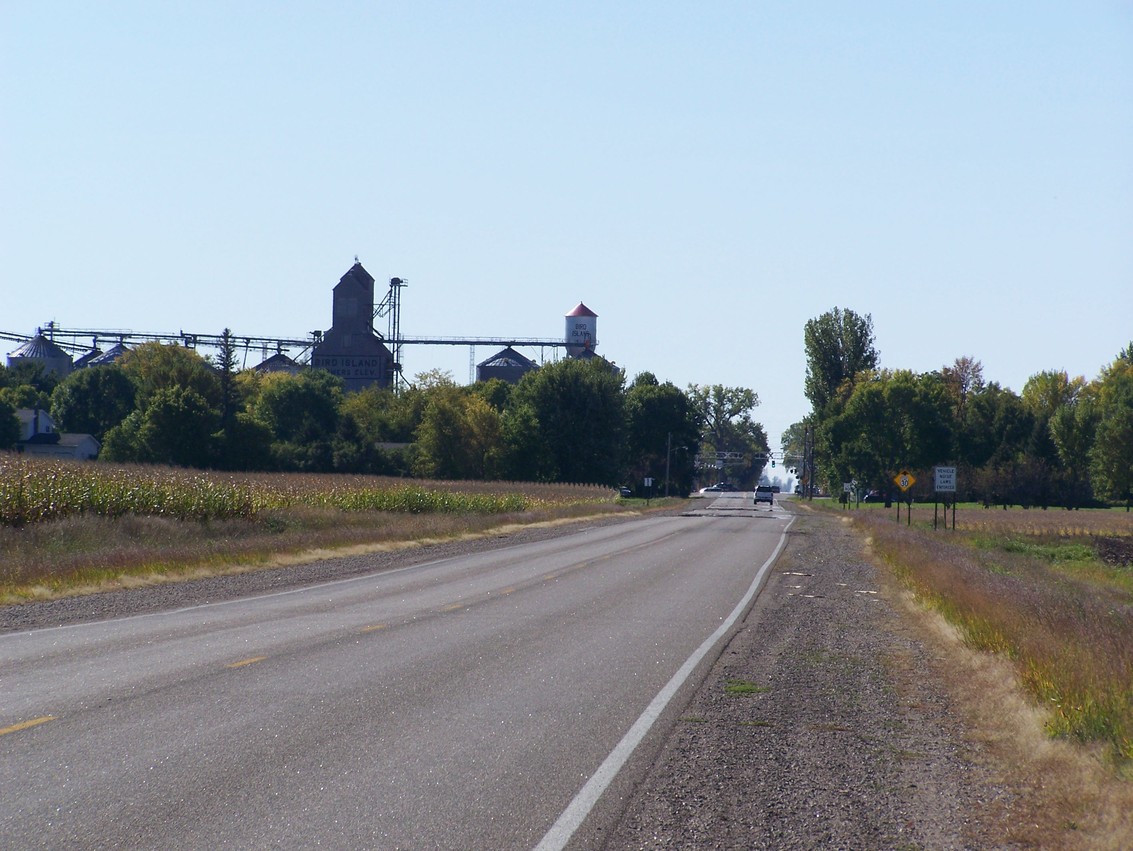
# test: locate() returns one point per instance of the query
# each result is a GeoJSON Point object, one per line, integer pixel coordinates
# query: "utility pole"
{"type": "Point", "coordinates": [668, 455]}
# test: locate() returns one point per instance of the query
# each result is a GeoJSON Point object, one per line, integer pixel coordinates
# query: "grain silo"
{"type": "Point", "coordinates": [507, 365]}
{"type": "Point", "coordinates": [110, 356]}
{"type": "Point", "coordinates": [351, 349]}
{"type": "Point", "coordinates": [581, 331]}
{"type": "Point", "coordinates": [41, 350]}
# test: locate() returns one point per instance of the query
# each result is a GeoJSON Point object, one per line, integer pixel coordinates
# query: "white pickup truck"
{"type": "Point", "coordinates": [764, 493]}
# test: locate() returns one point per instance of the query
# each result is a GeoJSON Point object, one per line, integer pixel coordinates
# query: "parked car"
{"type": "Point", "coordinates": [624, 491]}
{"type": "Point", "coordinates": [712, 489]}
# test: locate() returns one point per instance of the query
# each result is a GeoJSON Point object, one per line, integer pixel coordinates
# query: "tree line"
{"type": "Point", "coordinates": [1062, 441]}
{"type": "Point", "coordinates": [568, 421]}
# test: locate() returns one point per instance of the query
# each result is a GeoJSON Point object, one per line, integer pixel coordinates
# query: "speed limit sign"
{"type": "Point", "coordinates": [904, 480]}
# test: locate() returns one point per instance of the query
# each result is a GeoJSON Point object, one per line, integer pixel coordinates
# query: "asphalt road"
{"type": "Point", "coordinates": [489, 701]}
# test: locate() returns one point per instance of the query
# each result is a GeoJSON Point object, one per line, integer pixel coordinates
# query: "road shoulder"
{"type": "Point", "coordinates": [822, 724]}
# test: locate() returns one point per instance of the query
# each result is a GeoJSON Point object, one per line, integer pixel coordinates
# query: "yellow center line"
{"type": "Point", "coordinates": [374, 627]}
{"type": "Point", "coordinates": [23, 725]}
{"type": "Point", "coordinates": [243, 662]}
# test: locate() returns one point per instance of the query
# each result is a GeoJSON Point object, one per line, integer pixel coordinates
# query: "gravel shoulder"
{"type": "Point", "coordinates": [841, 735]}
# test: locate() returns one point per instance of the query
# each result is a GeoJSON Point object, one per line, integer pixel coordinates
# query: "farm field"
{"type": "Point", "coordinates": [1051, 591]}
{"type": "Point", "coordinates": [72, 527]}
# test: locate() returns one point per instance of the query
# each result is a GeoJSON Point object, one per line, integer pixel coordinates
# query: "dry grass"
{"type": "Point", "coordinates": [1035, 612]}
{"type": "Point", "coordinates": [1063, 795]}
{"type": "Point", "coordinates": [1039, 597]}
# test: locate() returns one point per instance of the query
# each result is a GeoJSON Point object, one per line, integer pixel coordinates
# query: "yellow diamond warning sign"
{"type": "Point", "coordinates": [904, 480]}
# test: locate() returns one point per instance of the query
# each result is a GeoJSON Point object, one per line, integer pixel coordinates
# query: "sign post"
{"type": "Point", "coordinates": [905, 480]}
{"type": "Point", "coordinates": [944, 481]}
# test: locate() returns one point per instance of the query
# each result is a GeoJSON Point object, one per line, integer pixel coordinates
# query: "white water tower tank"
{"type": "Point", "coordinates": [581, 330]}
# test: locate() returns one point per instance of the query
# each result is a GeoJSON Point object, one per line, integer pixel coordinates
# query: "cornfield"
{"type": "Point", "coordinates": [39, 491]}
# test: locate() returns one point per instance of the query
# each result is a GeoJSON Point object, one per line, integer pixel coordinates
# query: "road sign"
{"type": "Point", "coordinates": [945, 479]}
{"type": "Point", "coordinates": [847, 487]}
{"type": "Point", "coordinates": [904, 480]}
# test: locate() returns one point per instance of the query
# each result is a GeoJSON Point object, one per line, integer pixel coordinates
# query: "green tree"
{"type": "Point", "coordinates": [9, 426]}
{"type": "Point", "coordinates": [1111, 457]}
{"type": "Point", "coordinates": [93, 400]}
{"type": "Point", "coordinates": [579, 408]}
{"type": "Point", "coordinates": [302, 414]}
{"type": "Point", "coordinates": [495, 392]}
{"type": "Point", "coordinates": [174, 428]}
{"type": "Point", "coordinates": [526, 456]}
{"type": "Point", "coordinates": [1073, 427]}
{"type": "Point", "coordinates": [892, 420]}
{"type": "Point", "coordinates": [34, 382]}
{"type": "Point", "coordinates": [839, 344]}
{"type": "Point", "coordinates": [961, 381]}
{"type": "Point", "coordinates": [724, 417]}
{"type": "Point", "coordinates": [25, 396]}
{"type": "Point", "coordinates": [661, 429]}
{"type": "Point", "coordinates": [154, 366]}
{"type": "Point", "coordinates": [459, 436]}
{"type": "Point", "coordinates": [1043, 394]}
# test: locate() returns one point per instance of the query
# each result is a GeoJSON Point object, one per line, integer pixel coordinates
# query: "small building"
{"type": "Point", "coordinates": [350, 349]}
{"type": "Point", "coordinates": [507, 365]}
{"type": "Point", "coordinates": [38, 437]}
{"type": "Point", "coordinates": [41, 350]}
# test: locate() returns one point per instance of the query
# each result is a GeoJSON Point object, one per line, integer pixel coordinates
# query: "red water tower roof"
{"type": "Point", "coordinates": [582, 310]}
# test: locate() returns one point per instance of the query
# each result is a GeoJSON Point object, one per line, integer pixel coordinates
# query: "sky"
{"type": "Point", "coordinates": [706, 177]}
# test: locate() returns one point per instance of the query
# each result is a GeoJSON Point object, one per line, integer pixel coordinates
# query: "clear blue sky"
{"type": "Point", "coordinates": [705, 176]}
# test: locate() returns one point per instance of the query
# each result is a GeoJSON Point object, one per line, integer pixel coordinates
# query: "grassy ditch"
{"type": "Point", "coordinates": [1050, 591]}
{"type": "Point", "coordinates": [69, 527]}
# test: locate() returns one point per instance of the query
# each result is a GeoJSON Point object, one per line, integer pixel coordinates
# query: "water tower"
{"type": "Point", "coordinates": [581, 331]}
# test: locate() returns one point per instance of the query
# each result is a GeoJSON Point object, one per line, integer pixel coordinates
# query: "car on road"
{"type": "Point", "coordinates": [764, 493]}
{"type": "Point", "coordinates": [712, 489]}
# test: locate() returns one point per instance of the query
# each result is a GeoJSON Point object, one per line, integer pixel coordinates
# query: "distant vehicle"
{"type": "Point", "coordinates": [764, 493]}
{"type": "Point", "coordinates": [873, 496]}
{"type": "Point", "coordinates": [624, 491]}
{"type": "Point", "coordinates": [712, 489]}
{"type": "Point", "coordinates": [776, 489]}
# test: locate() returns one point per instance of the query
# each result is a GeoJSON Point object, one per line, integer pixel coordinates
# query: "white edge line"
{"type": "Point", "coordinates": [576, 812]}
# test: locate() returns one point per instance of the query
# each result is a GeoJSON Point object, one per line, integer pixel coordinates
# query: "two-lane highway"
{"type": "Point", "coordinates": [475, 702]}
